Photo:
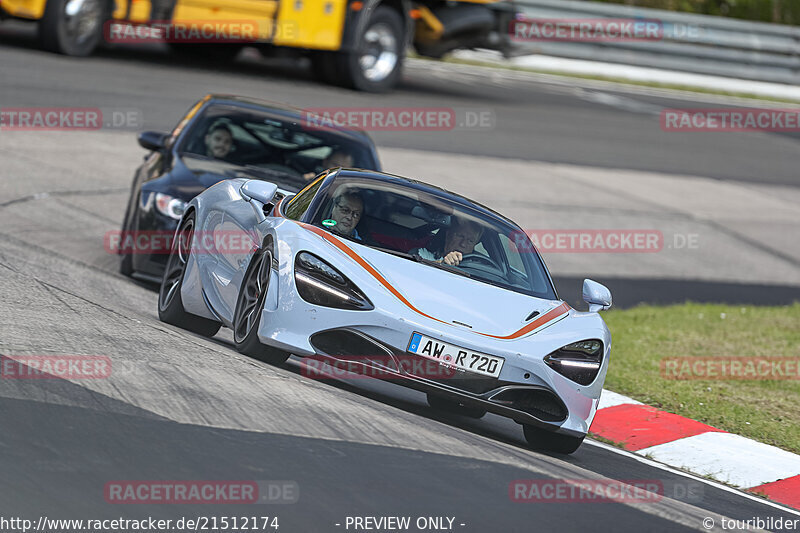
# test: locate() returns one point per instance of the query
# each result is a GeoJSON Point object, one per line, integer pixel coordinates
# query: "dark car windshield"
{"type": "Point", "coordinates": [425, 227]}
{"type": "Point", "coordinates": [255, 139]}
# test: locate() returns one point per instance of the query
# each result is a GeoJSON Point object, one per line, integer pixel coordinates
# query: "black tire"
{"type": "Point", "coordinates": [126, 265]}
{"type": "Point", "coordinates": [247, 316]}
{"type": "Point", "coordinates": [450, 406]}
{"type": "Point", "coordinates": [77, 35]}
{"type": "Point", "coordinates": [170, 305]}
{"type": "Point", "coordinates": [219, 53]}
{"type": "Point", "coordinates": [386, 23]}
{"type": "Point", "coordinates": [542, 439]}
{"type": "Point", "coordinates": [126, 261]}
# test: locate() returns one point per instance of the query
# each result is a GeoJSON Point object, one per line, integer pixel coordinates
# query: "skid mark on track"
{"type": "Point", "coordinates": [45, 195]}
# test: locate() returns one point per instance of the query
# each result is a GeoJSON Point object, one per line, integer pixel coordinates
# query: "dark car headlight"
{"type": "Point", "coordinates": [169, 206]}
{"type": "Point", "coordinates": [579, 361]}
{"type": "Point", "coordinates": [321, 284]}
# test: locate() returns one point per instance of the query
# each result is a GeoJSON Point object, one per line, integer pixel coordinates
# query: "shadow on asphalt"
{"type": "Point", "coordinates": [58, 459]}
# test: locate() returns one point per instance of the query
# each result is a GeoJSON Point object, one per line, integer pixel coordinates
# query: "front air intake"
{"type": "Point", "coordinates": [540, 403]}
{"type": "Point", "coordinates": [344, 342]}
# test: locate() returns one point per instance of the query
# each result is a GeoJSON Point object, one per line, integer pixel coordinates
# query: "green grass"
{"type": "Point", "coordinates": [623, 81]}
{"type": "Point", "coordinates": [598, 438]}
{"type": "Point", "coordinates": [767, 411]}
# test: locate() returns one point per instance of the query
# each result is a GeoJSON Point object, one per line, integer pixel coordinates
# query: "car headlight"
{"type": "Point", "coordinates": [169, 206]}
{"type": "Point", "coordinates": [579, 361]}
{"type": "Point", "coordinates": [321, 284]}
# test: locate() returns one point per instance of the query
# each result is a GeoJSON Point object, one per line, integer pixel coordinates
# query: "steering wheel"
{"type": "Point", "coordinates": [481, 259]}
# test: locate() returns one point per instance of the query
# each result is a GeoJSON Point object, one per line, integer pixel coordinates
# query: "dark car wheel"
{"type": "Point", "coordinates": [73, 27]}
{"type": "Point", "coordinates": [126, 261]}
{"type": "Point", "coordinates": [247, 316]}
{"type": "Point", "coordinates": [542, 439]}
{"type": "Point", "coordinates": [126, 264]}
{"type": "Point", "coordinates": [170, 305]}
{"type": "Point", "coordinates": [450, 406]}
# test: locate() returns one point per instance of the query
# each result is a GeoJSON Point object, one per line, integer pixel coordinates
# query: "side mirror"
{"type": "Point", "coordinates": [260, 191]}
{"type": "Point", "coordinates": [596, 295]}
{"type": "Point", "coordinates": [153, 140]}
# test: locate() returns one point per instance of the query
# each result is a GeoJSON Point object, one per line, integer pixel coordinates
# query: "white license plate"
{"type": "Point", "coordinates": [449, 354]}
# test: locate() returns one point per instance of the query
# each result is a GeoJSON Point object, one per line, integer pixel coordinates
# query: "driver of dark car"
{"type": "Point", "coordinates": [459, 240]}
{"type": "Point", "coordinates": [337, 158]}
{"type": "Point", "coordinates": [219, 141]}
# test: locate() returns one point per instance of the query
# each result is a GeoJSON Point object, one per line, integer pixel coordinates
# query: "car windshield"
{"type": "Point", "coordinates": [425, 227]}
{"type": "Point", "coordinates": [255, 139]}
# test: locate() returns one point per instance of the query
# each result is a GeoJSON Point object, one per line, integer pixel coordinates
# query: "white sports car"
{"type": "Point", "coordinates": [382, 272]}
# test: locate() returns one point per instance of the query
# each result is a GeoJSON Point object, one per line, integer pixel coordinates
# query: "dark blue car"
{"type": "Point", "coordinates": [224, 137]}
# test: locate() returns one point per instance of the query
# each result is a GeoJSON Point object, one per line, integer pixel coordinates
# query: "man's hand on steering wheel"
{"type": "Point", "coordinates": [480, 258]}
{"type": "Point", "coordinates": [452, 259]}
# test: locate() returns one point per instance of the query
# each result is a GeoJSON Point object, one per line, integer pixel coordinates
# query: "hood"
{"type": "Point", "coordinates": [199, 174]}
{"type": "Point", "coordinates": [453, 298]}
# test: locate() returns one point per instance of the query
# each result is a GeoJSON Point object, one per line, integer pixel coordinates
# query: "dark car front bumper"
{"type": "Point", "coordinates": [153, 234]}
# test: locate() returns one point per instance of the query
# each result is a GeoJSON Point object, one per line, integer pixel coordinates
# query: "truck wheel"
{"type": "Point", "coordinates": [73, 27]}
{"type": "Point", "coordinates": [376, 61]}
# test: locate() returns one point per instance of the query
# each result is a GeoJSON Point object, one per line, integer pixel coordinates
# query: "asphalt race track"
{"type": "Point", "coordinates": [178, 406]}
{"type": "Point", "coordinates": [561, 154]}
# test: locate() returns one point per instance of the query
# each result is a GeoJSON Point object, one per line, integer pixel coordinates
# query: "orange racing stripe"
{"type": "Point", "coordinates": [551, 316]}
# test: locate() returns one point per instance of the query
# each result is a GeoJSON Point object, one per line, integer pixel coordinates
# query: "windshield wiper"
{"type": "Point", "coordinates": [444, 266]}
{"type": "Point", "coordinates": [398, 253]}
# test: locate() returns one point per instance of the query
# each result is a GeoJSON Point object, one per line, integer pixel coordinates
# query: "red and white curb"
{"type": "Point", "coordinates": [684, 443]}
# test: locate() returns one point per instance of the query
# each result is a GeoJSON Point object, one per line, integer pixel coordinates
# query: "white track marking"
{"type": "Point", "coordinates": [710, 482]}
{"type": "Point", "coordinates": [730, 458]}
{"type": "Point", "coordinates": [611, 399]}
